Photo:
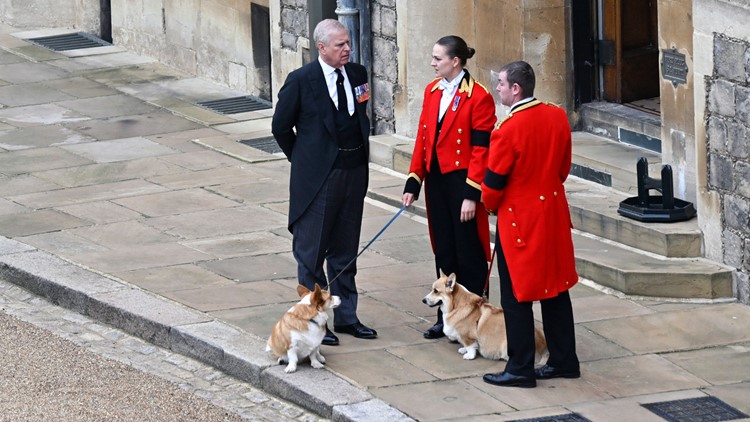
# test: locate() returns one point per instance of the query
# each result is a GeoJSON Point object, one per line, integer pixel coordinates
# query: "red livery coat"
{"type": "Point", "coordinates": [530, 156]}
{"type": "Point", "coordinates": [462, 143]}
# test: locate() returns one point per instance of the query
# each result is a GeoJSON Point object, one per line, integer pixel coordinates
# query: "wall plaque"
{"type": "Point", "coordinates": [673, 66]}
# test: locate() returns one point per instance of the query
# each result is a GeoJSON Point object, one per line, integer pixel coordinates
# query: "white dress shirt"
{"type": "Point", "coordinates": [330, 74]}
{"type": "Point", "coordinates": [449, 90]}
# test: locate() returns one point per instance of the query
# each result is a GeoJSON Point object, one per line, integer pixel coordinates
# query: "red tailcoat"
{"type": "Point", "coordinates": [463, 141]}
{"type": "Point", "coordinates": [530, 156]}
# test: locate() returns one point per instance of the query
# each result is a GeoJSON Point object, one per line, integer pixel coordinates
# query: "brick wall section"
{"type": "Point", "coordinates": [728, 133]}
{"type": "Point", "coordinates": [384, 76]}
{"type": "Point", "coordinates": [294, 21]}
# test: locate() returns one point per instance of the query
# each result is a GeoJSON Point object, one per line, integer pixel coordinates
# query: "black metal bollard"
{"type": "Point", "coordinates": [649, 208]}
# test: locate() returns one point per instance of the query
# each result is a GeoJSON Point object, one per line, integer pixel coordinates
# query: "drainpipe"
{"type": "Point", "coordinates": [348, 14]}
{"type": "Point", "coordinates": [105, 20]}
{"type": "Point", "coordinates": [355, 15]}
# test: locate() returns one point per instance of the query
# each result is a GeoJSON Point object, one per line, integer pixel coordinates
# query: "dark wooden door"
{"type": "Point", "coordinates": [631, 31]}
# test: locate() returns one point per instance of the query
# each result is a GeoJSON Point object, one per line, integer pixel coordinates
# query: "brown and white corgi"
{"type": "Point", "coordinates": [477, 325]}
{"type": "Point", "coordinates": [300, 331]}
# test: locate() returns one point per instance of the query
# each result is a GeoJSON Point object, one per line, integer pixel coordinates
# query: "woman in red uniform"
{"type": "Point", "coordinates": [450, 157]}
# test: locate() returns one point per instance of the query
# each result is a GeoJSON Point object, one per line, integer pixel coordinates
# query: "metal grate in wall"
{"type": "Point", "coordinates": [235, 105]}
{"type": "Point", "coordinates": [74, 41]}
{"type": "Point", "coordinates": [695, 410]}
{"type": "Point", "coordinates": [267, 144]}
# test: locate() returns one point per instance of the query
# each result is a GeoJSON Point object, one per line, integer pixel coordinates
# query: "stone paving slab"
{"type": "Point", "coordinates": [129, 126]}
{"type": "Point", "coordinates": [84, 194]}
{"type": "Point", "coordinates": [25, 72]}
{"type": "Point", "coordinates": [720, 365]}
{"type": "Point", "coordinates": [41, 114]}
{"type": "Point", "coordinates": [672, 331]}
{"type": "Point", "coordinates": [30, 94]}
{"type": "Point", "coordinates": [41, 136]}
{"type": "Point", "coordinates": [34, 222]}
{"type": "Point", "coordinates": [172, 278]}
{"type": "Point", "coordinates": [119, 150]}
{"type": "Point", "coordinates": [101, 107]}
{"type": "Point", "coordinates": [80, 87]}
{"type": "Point", "coordinates": [441, 400]}
{"type": "Point", "coordinates": [117, 171]}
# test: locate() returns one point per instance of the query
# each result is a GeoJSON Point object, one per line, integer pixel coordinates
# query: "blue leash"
{"type": "Point", "coordinates": [403, 207]}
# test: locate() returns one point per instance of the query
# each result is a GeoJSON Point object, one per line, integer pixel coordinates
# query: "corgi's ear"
{"type": "Point", "coordinates": [316, 296]}
{"type": "Point", "coordinates": [442, 274]}
{"type": "Point", "coordinates": [450, 283]}
{"type": "Point", "coordinates": [302, 290]}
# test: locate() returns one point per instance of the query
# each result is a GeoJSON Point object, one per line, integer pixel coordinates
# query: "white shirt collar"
{"type": "Point", "coordinates": [446, 84]}
{"type": "Point", "coordinates": [524, 101]}
{"type": "Point", "coordinates": [328, 69]}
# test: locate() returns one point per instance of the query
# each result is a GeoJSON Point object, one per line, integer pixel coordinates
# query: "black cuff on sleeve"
{"type": "Point", "coordinates": [472, 193]}
{"type": "Point", "coordinates": [412, 186]}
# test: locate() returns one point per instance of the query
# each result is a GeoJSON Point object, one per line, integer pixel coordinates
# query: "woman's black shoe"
{"type": "Point", "coordinates": [436, 331]}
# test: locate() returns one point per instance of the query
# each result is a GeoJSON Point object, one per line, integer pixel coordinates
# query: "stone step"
{"type": "Point", "coordinates": [593, 209]}
{"type": "Point", "coordinates": [610, 163]}
{"type": "Point", "coordinates": [636, 273]}
{"type": "Point", "coordinates": [621, 123]}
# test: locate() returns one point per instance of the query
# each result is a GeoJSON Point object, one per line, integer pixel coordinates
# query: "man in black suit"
{"type": "Point", "coordinates": [320, 122]}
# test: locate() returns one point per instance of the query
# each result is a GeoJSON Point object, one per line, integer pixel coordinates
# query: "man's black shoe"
{"type": "Point", "coordinates": [506, 379]}
{"type": "Point", "coordinates": [357, 330]}
{"type": "Point", "coordinates": [330, 339]}
{"type": "Point", "coordinates": [546, 372]}
{"type": "Point", "coordinates": [436, 331]}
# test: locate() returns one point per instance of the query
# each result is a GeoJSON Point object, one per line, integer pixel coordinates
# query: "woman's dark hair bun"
{"type": "Point", "coordinates": [471, 53]}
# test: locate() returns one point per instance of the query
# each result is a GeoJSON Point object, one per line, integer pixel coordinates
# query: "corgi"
{"type": "Point", "coordinates": [300, 331]}
{"type": "Point", "coordinates": [479, 326]}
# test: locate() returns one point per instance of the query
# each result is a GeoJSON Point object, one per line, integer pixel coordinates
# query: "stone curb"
{"type": "Point", "coordinates": [186, 331]}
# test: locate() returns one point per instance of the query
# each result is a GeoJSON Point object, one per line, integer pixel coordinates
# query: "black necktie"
{"type": "Point", "coordinates": [343, 107]}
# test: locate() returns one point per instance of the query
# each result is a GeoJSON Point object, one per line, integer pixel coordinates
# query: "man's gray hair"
{"type": "Point", "coordinates": [325, 28]}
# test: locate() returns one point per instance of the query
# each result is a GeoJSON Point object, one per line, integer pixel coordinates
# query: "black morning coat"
{"type": "Point", "coordinates": [303, 125]}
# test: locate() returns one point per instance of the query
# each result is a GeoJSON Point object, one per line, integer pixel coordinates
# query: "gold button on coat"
{"type": "Point", "coordinates": [458, 141]}
{"type": "Point", "coordinates": [518, 240]}
{"type": "Point", "coordinates": [513, 224]}
{"type": "Point", "coordinates": [457, 164]}
{"type": "Point", "coordinates": [542, 197]}
{"type": "Point", "coordinates": [510, 209]}
{"type": "Point", "coordinates": [458, 152]}
{"type": "Point", "coordinates": [460, 130]}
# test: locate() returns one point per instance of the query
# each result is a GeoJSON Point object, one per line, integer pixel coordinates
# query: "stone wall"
{"type": "Point", "coordinates": [384, 77]}
{"type": "Point", "coordinates": [724, 123]}
{"type": "Point", "coordinates": [678, 128]}
{"type": "Point", "coordinates": [207, 38]}
{"type": "Point", "coordinates": [293, 24]}
{"type": "Point", "coordinates": [728, 150]}
{"type": "Point", "coordinates": [82, 15]}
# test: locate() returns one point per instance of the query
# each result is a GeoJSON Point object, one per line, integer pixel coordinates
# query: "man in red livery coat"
{"type": "Point", "coordinates": [530, 156]}
{"type": "Point", "coordinates": [450, 156]}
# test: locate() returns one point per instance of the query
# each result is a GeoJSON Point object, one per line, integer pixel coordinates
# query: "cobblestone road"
{"type": "Point", "coordinates": [60, 365]}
